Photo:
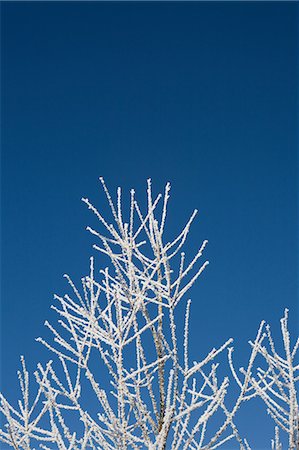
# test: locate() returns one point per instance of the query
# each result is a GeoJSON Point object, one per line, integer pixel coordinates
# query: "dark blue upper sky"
{"type": "Point", "coordinates": [200, 94]}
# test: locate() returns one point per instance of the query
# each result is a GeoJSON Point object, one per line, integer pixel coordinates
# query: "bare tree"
{"type": "Point", "coordinates": [276, 382]}
{"type": "Point", "coordinates": [121, 325]}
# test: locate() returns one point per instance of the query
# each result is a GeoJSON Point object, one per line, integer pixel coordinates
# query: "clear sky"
{"type": "Point", "coordinates": [203, 95]}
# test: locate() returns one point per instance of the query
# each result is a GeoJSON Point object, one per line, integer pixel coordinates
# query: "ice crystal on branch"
{"type": "Point", "coordinates": [124, 318]}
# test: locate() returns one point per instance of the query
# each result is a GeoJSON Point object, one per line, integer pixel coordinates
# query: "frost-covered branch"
{"type": "Point", "coordinates": [276, 383]}
{"type": "Point", "coordinates": [122, 378]}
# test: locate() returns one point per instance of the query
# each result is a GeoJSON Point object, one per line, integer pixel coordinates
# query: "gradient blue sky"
{"type": "Point", "coordinates": [201, 94]}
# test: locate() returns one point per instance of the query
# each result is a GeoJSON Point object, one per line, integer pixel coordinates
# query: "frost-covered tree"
{"type": "Point", "coordinates": [120, 325]}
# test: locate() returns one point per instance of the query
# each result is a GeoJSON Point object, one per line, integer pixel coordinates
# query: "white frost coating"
{"type": "Point", "coordinates": [276, 382]}
{"type": "Point", "coordinates": [125, 319]}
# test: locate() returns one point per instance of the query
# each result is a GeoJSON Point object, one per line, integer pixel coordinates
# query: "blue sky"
{"type": "Point", "coordinates": [203, 95]}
